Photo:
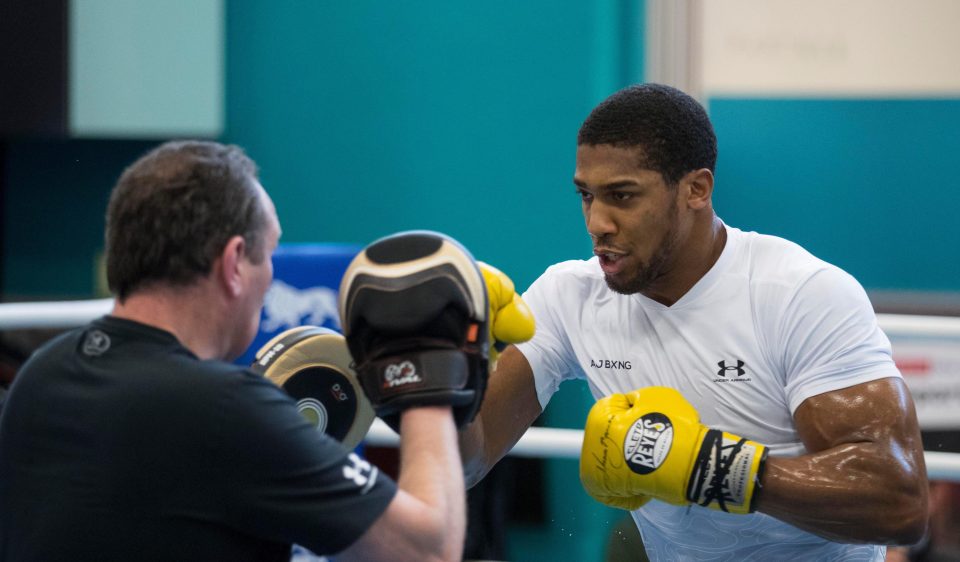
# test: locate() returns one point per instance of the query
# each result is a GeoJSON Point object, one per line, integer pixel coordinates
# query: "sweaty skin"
{"type": "Point", "coordinates": [498, 426]}
{"type": "Point", "coordinates": [863, 478]}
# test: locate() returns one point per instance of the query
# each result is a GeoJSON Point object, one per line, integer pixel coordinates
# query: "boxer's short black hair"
{"type": "Point", "coordinates": [172, 212]}
{"type": "Point", "coordinates": [671, 129]}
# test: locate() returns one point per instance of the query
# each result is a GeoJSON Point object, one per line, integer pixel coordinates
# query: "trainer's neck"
{"type": "Point", "coordinates": [186, 313]}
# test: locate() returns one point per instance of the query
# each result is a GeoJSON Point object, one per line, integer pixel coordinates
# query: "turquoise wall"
{"type": "Point", "coordinates": [869, 185]}
{"type": "Point", "coordinates": [372, 117]}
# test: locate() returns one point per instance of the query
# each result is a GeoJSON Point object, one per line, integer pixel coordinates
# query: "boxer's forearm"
{"type": "Point", "coordinates": [857, 493]}
{"type": "Point", "coordinates": [475, 464]}
{"type": "Point", "coordinates": [509, 408]}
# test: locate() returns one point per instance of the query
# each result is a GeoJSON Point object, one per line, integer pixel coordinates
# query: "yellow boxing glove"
{"type": "Point", "coordinates": [650, 443]}
{"type": "Point", "coordinates": [510, 319]}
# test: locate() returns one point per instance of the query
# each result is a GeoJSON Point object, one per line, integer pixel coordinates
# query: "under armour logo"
{"type": "Point", "coordinates": [361, 472]}
{"type": "Point", "coordinates": [724, 368]}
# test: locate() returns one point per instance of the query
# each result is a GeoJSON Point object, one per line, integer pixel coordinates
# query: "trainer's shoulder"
{"type": "Point", "coordinates": [229, 386]}
{"type": "Point", "coordinates": [59, 346]}
{"type": "Point", "coordinates": [52, 357]}
{"type": "Point", "coordinates": [218, 372]}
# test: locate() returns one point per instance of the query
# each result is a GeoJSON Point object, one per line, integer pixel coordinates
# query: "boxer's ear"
{"type": "Point", "coordinates": [696, 188]}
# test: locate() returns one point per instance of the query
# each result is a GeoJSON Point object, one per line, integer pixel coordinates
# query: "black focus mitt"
{"type": "Point", "coordinates": [413, 307]}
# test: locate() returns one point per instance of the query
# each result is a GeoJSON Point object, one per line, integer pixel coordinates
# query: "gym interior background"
{"type": "Point", "coordinates": [371, 117]}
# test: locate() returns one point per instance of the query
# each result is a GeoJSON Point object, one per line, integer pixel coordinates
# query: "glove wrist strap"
{"type": "Point", "coordinates": [726, 473]}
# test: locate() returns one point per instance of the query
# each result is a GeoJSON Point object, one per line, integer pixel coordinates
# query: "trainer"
{"type": "Point", "coordinates": [134, 438]}
{"type": "Point", "coordinates": [748, 406]}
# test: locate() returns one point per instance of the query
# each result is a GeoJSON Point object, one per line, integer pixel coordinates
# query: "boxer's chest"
{"type": "Point", "coordinates": [712, 353]}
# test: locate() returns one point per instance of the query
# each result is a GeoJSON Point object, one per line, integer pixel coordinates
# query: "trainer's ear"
{"type": "Point", "coordinates": [697, 188]}
{"type": "Point", "coordinates": [231, 265]}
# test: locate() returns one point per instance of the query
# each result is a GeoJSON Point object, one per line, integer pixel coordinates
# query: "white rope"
{"type": "Point", "coordinates": [66, 314]}
{"type": "Point", "coordinates": [56, 314]}
{"type": "Point", "coordinates": [907, 325]}
{"type": "Point", "coordinates": [538, 441]}
{"type": "Point", "coordinates": [942, 466]}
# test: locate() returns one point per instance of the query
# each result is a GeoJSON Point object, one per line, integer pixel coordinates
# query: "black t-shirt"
{"type": "Point", "coordinates": [117, 443]}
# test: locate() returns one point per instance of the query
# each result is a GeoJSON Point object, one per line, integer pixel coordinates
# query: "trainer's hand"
{"type": "Point", "coordinates": [511, 320]}
{"type": "Point", "coordinates": [650, 443]}
{"type": "Point", "coordinates": [412, 307]}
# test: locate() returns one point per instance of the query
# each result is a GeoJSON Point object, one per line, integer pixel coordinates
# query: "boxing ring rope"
{"type": "Point", "coordinates": [538, 441]}
{"type": "Point", "coordinates": [56, 314]}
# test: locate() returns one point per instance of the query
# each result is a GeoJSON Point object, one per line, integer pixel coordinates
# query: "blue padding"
{"type": "Point", "coordinates": [306, 278]}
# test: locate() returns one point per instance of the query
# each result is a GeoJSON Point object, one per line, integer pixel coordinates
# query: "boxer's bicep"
{"type": "Point", "coordinates": [879, 412]}
{"type": "Point", "coordinates": [863, 477]}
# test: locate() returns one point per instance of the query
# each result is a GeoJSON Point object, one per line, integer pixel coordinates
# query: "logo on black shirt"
{"type": "Point", "coordinates": [360, 472]}
{"type": "Point", "coordinates": [95, 343]}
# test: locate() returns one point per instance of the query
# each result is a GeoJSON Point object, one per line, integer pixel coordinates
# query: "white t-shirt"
{"type": "Point", "coordinates": [766, 328]}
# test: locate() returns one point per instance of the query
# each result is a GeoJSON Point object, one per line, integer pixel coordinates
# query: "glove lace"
{"type": "Point", "coordinates": [716, 488]}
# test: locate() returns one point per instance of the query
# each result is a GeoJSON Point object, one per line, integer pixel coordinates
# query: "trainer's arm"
{"type": "Point", "coordinates": [509, 408]}
{"type": "Point", "coordinates": [865, 478]}
{"type": "Point", "coordinates": [426, 520]}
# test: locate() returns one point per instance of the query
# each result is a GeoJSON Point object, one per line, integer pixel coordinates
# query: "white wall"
{"type": "Point", "coordinates": [861, 48]}
{"type": "Point", "coordinates": [146, 69]}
